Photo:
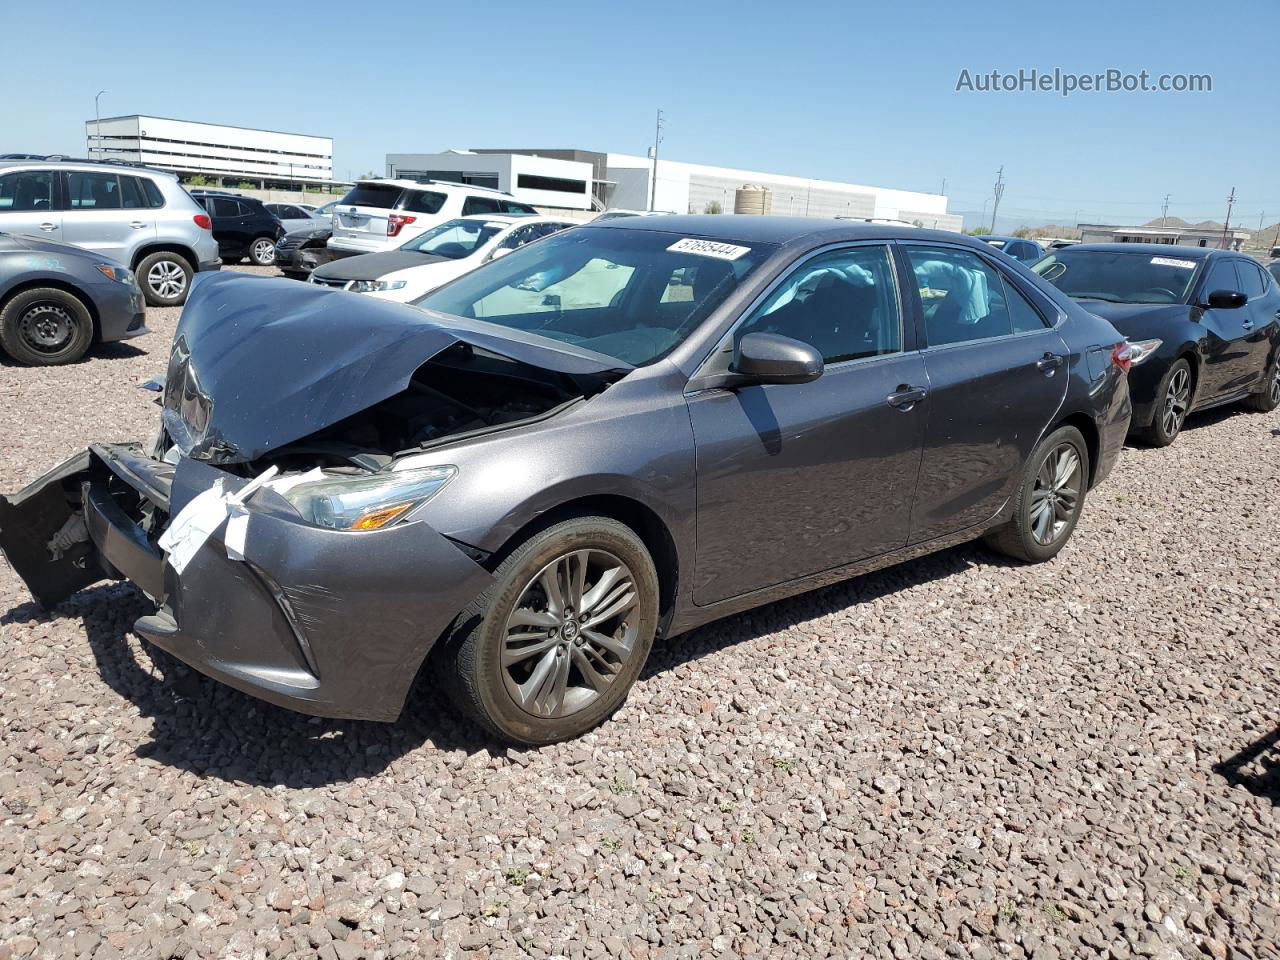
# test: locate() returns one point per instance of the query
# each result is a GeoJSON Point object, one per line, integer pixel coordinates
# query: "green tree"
{"type": "Point", "coordinates": [978, 232]}
{"type": "Point", "coordinates": [713, 207]}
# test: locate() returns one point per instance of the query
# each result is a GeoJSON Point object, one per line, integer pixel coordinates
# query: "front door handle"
{"type": "Point", "coordinates": [1049, 363]}
{"type": "Point", "coordinates": [48, 226]}
{"type": "Point", "coordinates": [906, 397]}
{"type": "Point", "coordinates": [137, 224]}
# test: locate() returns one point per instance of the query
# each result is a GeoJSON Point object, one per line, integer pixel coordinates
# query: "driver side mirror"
{"type": "Point", "coordinates": [1226, 300]}
{"type": "Point", "coordinates": [772, 358]}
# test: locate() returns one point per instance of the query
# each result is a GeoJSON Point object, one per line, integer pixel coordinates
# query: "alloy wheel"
{"type": "Point", "coordinates": [571, 633]}
{"type": "Point", "coordinates": [1056, 494]}
{"type": "Point", "coordinates": [46, 328]}
{"type": "Point", "coordinates": [166, 279]}
{"type": "Point", "coordinates": [1275, 382]}
{"type": "Point", "coordinates": [264, 251]}
{"type": "Point", "coordinates": [1176, 401]}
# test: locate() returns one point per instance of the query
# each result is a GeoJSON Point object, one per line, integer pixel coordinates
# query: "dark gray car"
{"type": "Point", "coordinates": [56, 300]}
{"type": "Point", "coordinates": [615, 434]}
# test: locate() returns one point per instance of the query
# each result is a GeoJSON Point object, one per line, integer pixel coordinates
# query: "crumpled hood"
{"type": "Point", "coordinates": [371, 266]}
{"type": "Point", "coordinates": [258, 362]}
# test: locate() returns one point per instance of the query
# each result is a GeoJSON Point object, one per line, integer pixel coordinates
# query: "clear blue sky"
{"type": "Point", "coordinates": [843, 90]}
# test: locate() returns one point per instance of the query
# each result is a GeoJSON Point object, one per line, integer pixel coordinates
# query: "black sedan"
{"type": "Point", "coordinates": [1205, 323]}
{"type": "Point", "coordinates": [610, 436]}
{"type": "Point", "coordinates": [300, 252]}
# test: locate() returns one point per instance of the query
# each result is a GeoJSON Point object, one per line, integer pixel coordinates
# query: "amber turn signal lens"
{"type": "Point", "coordinates": [380, 517]}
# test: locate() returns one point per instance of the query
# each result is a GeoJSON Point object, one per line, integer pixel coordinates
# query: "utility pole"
{"type": "Point", "coordinates": [1226, 226]}
{"type": "Point", "coordinates": [1164, 210]}
{"type": "Point", "coordinates": [944, 186]}
{"type": "Point", "coordinates": [999, 192]}
{"type": "Point", "coordinates": [657, 139]}
{"type": "Point", "coordinates": [97, 124]}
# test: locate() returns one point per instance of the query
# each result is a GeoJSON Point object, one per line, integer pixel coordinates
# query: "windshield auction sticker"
{"type": "Point", "coordinates": [708, 248]}
{"type": "Point", "coordinates": [1171, 262]}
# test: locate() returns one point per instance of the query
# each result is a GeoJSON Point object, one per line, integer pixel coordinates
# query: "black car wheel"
{"type": "Point", "coordinates": [45, 326]}
{"type": "Point", "coordinates": [1173, 401]}
{"type": "Point", "coordinates": [1267, 399]}
{"type": "Point", "coordinates": [1049, 499]}
{"type": "Point", "coordinates": [262, 252]}
{"type": "Point", "coordinates": [165, 279]}
{"type": "Point", "coordinates": [553, 647]}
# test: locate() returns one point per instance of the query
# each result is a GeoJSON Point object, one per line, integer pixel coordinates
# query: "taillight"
{"type": "Point", "coordinates": [396, 221]}
{"type": "Point", "coordinates": [1120, 356]}
{"type": "Point", "coordinates": [202, 221]}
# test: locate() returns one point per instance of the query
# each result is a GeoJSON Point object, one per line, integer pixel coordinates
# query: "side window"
{"type": "Point", "coordinates": [131, 193]}
{"type": "Point", "coordinates": [512, 206]}
{"type": "Point", "coordinates": [518, 238]}
{"type": "Point", "coordinates": [424, 202]}
{"type": "Point", "coordinates": [27, 190]}
{"type": "Point", "coordinates": [1221, 276]}
{"type": "Point", "coordinates": [223, 207]}
{"type": "Point", "coordinates": [476, 205]}
{"type": "Point", "coordinates": [1025, 317]}
{"type": "Point", "coordinates": [154, 197]}
{"type": "Point", "coordinates": [962, 297]}
{"type": "Point", "coordinates": [1250, 281]}
{"type": "Point", "coordinates": [843, 303]}
{"type": "Point", "coordinates": [93, 191]}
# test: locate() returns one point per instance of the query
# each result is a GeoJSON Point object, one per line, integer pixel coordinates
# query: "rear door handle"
{"type": "Point", "coordinates": [906, 397]}
{"type": "Point", "coordinates": [1049, 363]}
{"type": "Point", "coordinates": [137, 224]}
{"type": "Point", "coordinates": [48, 226]}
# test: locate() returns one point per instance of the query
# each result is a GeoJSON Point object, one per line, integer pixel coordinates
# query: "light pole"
{"type": "Point", "coordinates": [97, 122]}
{"type": "Point", "coordinates": [657, 139]}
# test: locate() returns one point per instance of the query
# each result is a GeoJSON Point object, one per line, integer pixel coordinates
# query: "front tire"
{"type": "Point", "coordinates": [262, 252]}
{"type": "Point", "coordinates": [1269, 398]}
{"type": "Point", "coordinates": [45, 326]}
{"type": "Point", "coordinates": [1049, 499]}
{"type": "Point", "coordinates": [1173, 401]}
{"type": "Point", "coordinates": [165, 279]}
{"type": "Point", "coordinates": [552, 648]}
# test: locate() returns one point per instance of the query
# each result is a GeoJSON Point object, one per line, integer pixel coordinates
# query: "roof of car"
{"type": "Point", "coordinates": [514, 218]}
{"type": "Point", "coordinates": [1169, 249]}
{"type": "Point", "coordinates": [66, 163]}
{"type": "Point", "coordinates": [745, 228]}
{"type": "Point", "coordinates": [988, 237]}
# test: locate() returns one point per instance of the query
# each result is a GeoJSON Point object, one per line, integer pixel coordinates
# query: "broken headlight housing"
{"type": "Point", "coordinates": [368, 502]}
{"type": "Point", "coordinates": [375, 286]}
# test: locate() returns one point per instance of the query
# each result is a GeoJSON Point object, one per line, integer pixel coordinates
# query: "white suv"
{"type": "Point", "coordinates": [380, 215]}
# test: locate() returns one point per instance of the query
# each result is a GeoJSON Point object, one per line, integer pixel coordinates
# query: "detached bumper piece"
{"type": "Point", "coordinates": [326, 622]}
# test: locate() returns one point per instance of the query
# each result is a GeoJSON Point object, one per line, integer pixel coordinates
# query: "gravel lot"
{"type": "Point", "coordinates": [955, 757]}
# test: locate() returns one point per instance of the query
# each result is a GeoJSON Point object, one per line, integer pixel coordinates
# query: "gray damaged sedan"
{"type": "Point", "coordinates": [612, 435]}
{"type": "Point", "coordinates": [57, 300]}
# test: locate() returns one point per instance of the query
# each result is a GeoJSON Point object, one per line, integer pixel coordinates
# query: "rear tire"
{"type": "Point", "coordinates": [1173, 402]}
{"type": "Point", "coordinates": [539, 657]}
{"type": "Point", "coordinates": [45, 326]}
{"type": "Point", "coordinates": [1269, 398]}
{"type": "Point", "coordinates": [262, 252]}
{"type": "Point", "coordinates": [165, 278]}
{"type": "Point", "coordinates": [1049, 500]}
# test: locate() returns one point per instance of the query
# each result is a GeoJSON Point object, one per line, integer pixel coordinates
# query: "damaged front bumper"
{"type": "Point", "coordinates": [327, 622]}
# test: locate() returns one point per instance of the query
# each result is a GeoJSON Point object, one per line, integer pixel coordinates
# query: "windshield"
{"type": "Point", "coordinates": [1118, 277]}
{"type": "Point", "coordinates": [456, 239]}
{"type": "Point", "coordinates": [629, 294]}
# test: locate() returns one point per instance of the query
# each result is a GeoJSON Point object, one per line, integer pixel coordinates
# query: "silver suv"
{"type": "Point", "coordinates": [131, 214]}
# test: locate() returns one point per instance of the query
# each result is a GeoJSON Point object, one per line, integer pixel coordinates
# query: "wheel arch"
{"type": "Point", "coordinates": [637, 516]}
{"type": "Point", "coordinates": [1088, 428]}
{"type": "Point", "coordinates": [164, 246]}
{"type": "Point", "coordinates": [56, 283]}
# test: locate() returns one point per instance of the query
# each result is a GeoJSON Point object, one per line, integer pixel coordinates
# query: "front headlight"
{"type": "Point", "coordinates": [366, 503]}
{"type": "Point", "coordinates": [112, 272]}
{"type": "Point", "coordinates": [375, 286]}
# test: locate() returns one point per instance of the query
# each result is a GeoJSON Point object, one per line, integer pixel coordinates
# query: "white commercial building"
{"type": "Point", "coordinates": [213, 150]}
{"type": "Point", "coordinates": [590, 180]}
{"type": "Point", "coordinates": [541, 181]}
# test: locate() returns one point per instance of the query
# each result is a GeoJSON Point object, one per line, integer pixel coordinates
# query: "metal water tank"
{"type": "Point", "coordinates": [753, 198]}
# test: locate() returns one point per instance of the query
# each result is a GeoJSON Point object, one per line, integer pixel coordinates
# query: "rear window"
{"type": "Point", "coordinates": [372, 195]}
